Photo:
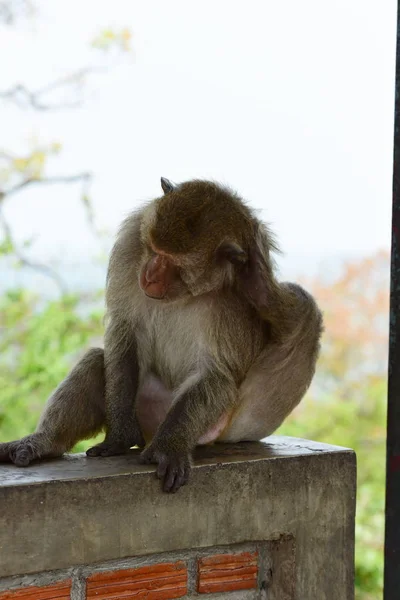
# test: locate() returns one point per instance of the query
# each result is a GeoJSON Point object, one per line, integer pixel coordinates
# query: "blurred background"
{"type": "Point", "coordinates": [290, 103]}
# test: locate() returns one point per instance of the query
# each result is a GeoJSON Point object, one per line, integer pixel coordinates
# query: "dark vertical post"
{"type": "Point", "coordinates": [392, 532]}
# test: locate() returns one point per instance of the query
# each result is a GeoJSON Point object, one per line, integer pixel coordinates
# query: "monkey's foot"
{"type": "Point", "coordinates": [113, 447]}
{"type": "Point", "coordinates": [172, 467]}
{"type": "Point", "coordinates": [107, 449]}
{"type": "Point", "coordinates": [22, 452]}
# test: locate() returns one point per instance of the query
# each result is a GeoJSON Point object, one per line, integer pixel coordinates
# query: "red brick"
{"type": "Point", "coordinates": [227, 572]}
{"type": "Point", "coordinates": [58, 591]}
{"type": "Point", "coordinates": [164, 581]}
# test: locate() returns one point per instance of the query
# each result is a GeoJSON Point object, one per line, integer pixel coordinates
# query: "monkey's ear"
{"type": "Point", "coordinates": [166, 185]}
{"type": "Point", "coordinates": [232, 252]}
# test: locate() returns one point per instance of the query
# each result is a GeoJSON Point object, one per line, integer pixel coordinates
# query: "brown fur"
{"type": "Point", "coordinates": [224, 353]}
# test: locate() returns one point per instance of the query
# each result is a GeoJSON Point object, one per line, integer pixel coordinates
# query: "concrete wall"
{"type": "Point", "coordinates": [271, 521]}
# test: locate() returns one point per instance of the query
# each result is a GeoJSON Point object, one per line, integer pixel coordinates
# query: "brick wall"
{"type": "Point", "coordinates": [236, 572]}
{"type": "Point", "coordinates": [59, 591]}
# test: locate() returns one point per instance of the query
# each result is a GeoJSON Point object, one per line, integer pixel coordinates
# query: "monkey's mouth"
{"type": "Point", "coordinates": [152, 289]}
{"type": "Point", "coordinates": [153, 297]}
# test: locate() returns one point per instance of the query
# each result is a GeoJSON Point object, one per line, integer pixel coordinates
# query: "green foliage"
{"type": "Point", "coordinates": [362, 427]}
{"type": "Point", "coordinates": [6, 246]}
{"type": "Point", "coordinates": [38, 344]}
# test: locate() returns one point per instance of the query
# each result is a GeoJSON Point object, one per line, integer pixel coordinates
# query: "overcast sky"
{"type": "Point", "coordinates": [289, 102]}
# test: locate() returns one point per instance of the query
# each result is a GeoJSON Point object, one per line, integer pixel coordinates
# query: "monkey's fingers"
{"type": "Point", "coordinates": [173, 468]}
{"type": "Point", "coordinates": [21, 452]}
{"type": "Point", "coordinates": [5, 452]}
{"type": "Point", "coordinates": [176, 478]}
{"type": "Point", "coordinates": [162, 467]}
{"type": "Point", "coordinates": [22, 455]}
{"type": "Point", "coordinates": [107, 449]}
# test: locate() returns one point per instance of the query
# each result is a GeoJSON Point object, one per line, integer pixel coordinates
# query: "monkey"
{"type": "Point", "coordinates": [202, 343]}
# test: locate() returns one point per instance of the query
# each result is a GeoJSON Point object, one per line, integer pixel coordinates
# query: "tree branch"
{"type": "Point", "coordinates": [22, 96]}
{"type": "Point", "coordinates": [86, 178]}
{"type": "Point", "coordinates": [26, 262]}
{"type": "Point", "coordinates": [11, 11]}
{"type": "Point", "coordinates": [6, 156]}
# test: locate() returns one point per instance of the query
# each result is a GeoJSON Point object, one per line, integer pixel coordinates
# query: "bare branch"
{"type": "Point", "coordinates": [11, 11]}
{"type": "Point", "coordinates": [6, 156]}
{"type": "Point", "coordinates": [84, 177]}
{"type": "Point", "coordinates": [22, 96]}
{"type": "Point", "coordinates": [26, 262]}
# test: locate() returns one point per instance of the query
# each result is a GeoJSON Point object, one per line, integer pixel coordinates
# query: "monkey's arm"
{"type": "Point", "coordinates": [196, 410]}
{"type": "Point", "coordinates": [122, 378]}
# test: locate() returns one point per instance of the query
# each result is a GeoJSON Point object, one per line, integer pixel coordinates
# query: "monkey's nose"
{"type": "Point", "coordinates": [152, 278]}
{"type": "Point", "coordinates": [156, 269]}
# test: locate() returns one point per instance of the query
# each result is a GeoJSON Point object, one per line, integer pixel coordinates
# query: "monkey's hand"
{"type": "Point", "coordinates": [115, 445]}
{"type": "Point", "coordinates": [172, 466]}
{"type": "Point", "coordinates": [22, 452]}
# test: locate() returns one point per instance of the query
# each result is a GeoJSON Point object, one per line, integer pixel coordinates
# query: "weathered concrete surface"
{"type": "Point", "coordinates": [79, 511]}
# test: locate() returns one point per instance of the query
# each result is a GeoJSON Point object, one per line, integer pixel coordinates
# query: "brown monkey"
{"type": "Point", "coordinates": [202, 342]}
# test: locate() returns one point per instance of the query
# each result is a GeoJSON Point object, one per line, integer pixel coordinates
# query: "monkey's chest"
{"type": "Point", "coordinates": [177, 344]}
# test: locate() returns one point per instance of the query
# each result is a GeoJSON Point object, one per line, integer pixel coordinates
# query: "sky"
{"type": "Point", "coordinates": [290, 103]}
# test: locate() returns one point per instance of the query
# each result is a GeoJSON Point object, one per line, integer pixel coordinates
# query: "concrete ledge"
{"type": "Point", "coordinates": [78, 511]}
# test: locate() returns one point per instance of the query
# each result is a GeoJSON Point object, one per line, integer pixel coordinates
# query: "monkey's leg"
{"type": "Point", "coordinates": [153, 402]}
{"type": "Point", "coordinates": [75, 411]}
{"type": "Point", "coordinates": [195, 410]}
{"type": "Point", "coordinates": [121, 367]}
{"type": "Point", "coordinates": [280, 376]}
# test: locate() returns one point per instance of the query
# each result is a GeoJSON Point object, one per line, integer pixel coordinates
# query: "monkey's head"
{"type": "Point", "coordinates": [198, 237]}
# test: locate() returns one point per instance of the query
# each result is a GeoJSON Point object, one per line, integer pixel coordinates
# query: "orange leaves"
{"type": "Point", "coordinates": [356, 315]}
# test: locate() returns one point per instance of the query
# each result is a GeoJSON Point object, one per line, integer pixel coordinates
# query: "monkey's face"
{"type": "Point", "coordinates": [171, 277]}
{"type": "Point", "coordinates": [182, 233]}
